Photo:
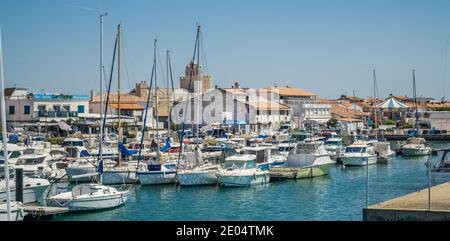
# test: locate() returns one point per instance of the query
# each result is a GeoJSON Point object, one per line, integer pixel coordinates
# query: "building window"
{"type": "Point", "coordinates": [26, 109]}
{"type": "Point", "coordinates": [12, 110]}
{"type": "Point", "coordinates": [80, 109]}
{"type": "Point", "coordinates": [66, 108]}
{"type": "Point", "coordinates": [57, 108]}
{"type": "Point", "coordinates": [41, 110]}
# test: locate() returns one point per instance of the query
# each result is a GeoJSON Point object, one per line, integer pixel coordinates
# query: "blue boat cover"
{"type": "Point", "coordinates": [166, 146]}
{"type": "Point", "coordinates": [124, 150]}
{"type": "Point", "coordinates": [100, 167]}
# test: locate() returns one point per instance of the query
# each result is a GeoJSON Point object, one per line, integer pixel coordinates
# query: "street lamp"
{"type": "Point", "coordinates": [46, 125]}
{"type": "Point", "coordinates": [297, 114]}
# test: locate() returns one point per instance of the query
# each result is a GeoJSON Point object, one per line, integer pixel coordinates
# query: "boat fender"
{"type": "Point", "coordinates": [254, 176]}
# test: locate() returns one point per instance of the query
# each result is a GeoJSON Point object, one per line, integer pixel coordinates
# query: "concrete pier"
{"type": "Point", "coordinates": [413, 206]}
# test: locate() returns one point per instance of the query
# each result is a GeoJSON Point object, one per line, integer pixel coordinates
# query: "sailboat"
{"type": "Point", "coordinates": [11, 210]}
{"type": "Point", "coordinates": [156, 171]}
{"type": "Point", "coordinates": [415, 146]}
{"type": "Point", "coordinates": [203, 173]}
{"type": "Point", "coordinates": [382, 147]}
{"type": "Point", "coordinates": [122, 172]}
{"type": "Point", "coordinates": [91, 196]}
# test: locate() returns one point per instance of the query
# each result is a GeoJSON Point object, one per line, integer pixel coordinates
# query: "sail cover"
{"type": "Point", "coordinates": [166, 146]}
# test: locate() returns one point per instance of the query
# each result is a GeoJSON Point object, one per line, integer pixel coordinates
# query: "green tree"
{"type": "Point", "coordinates": [332, 122]}
{"type": "Point", "coordinates": [390, 122]}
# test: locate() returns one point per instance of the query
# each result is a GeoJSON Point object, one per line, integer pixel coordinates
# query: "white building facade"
{"type": "Point", "coordinates": [28, 108]}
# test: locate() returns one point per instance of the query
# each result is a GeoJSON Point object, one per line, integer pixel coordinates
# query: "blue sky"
{"type": "Point", "coordinates": [328, 47]}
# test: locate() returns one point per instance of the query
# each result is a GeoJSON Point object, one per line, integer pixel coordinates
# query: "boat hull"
{"type": "Point", "coordinates": [156, 177]}
{"type": "Point", "coordinates": [301, 172]}
{"type": "Point", "coordinates": [89, 204]}
{"type": "Point", "coordinates": [197, 178]}
{"type": "Point", "coordinates": [415, 151]}
{"type": "Point", "coordinates": [243, 180]}
{"type": "Point", "coordinates": [30, 195]}
{"type": "Point", "coordinates": [115, 177]}
{"type": "Point", "coordinates": [358, 160]}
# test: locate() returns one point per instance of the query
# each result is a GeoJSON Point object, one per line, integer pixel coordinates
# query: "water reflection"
{"type": "Point", "coordinates": [339, 196]}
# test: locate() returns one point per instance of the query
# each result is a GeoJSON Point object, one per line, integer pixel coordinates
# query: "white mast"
{"type": "Point", "coordinates": [156, 94]}
{"type": "Point", "coordinates": [374, 101]}
{"type": "Point", "coordinates": [5, 142]}
{"type": "Point", "coordinates": [199, 85]}
{"type": "Point", "coordinates": [168, 95]}
{"type": "Point", "coordinates": [100, 150]}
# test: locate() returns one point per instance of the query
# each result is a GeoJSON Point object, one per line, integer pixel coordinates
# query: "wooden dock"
{"type": "Point", "coordinates": [42, 212]}
{"type": "Point", "coordinates": [413, 206]}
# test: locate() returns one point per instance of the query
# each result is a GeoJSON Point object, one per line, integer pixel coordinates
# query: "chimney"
{"type": "Point", "coordinates": [236, 85]}
{"type": "Point", "coordinates": [92, 94]}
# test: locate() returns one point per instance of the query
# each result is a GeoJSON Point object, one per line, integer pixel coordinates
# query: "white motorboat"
{"type": "Point", "coordinates": [33, 189]}
{"type": "Point", "coordinates": [242, 171]}
{"type": "Point", "coordinates": [334, 147]}
{"type": "Point", "coordinates": [383, 150]}
{"type": "Point", "coordinates": [276, 158]}
{"type": "Point", "coordinates": [17, 212]}
{"type": "Point", "coordinates": [266, 155]}
{"type": "Point", "coordinates": [285, 148]}
{"type": "Point", "coordinates": [33, 161]}
{"type": "Point", "coordinates": [415, 147]}
{"type": "Point", "coordinates": [14, 152]}
{"type": "Point", "coordinates": [359, 154]}
{"type": "Point", "coordinates": [86, 197]}
{"type": "Point", "coordinates": [306, 160]}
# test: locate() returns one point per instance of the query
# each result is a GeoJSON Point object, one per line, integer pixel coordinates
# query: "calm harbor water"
{"type": "Point", "coordinates": [339, 196]}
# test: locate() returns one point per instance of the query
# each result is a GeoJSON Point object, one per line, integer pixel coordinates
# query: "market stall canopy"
{"type": "Point", "coordinates": [87, 122]}
{"type": "Point", "coordinates": [63, 126]}
{"type": "Point", "coordinates": [391, 103]}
